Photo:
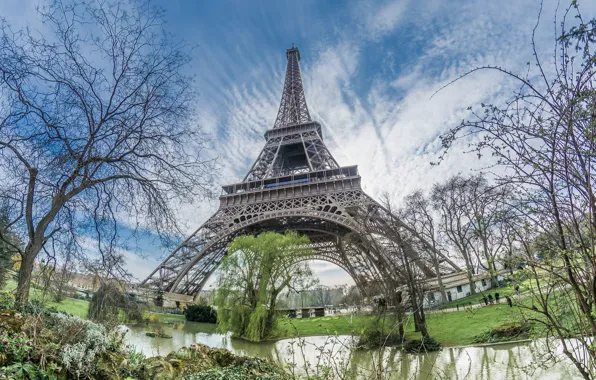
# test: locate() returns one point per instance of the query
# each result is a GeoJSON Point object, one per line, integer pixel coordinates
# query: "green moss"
{"type": "Point", "coordinates": [152, 334]}
{"type": "Point", "coordinates": [247, 371]}
{"type": "Point", "coordinates": [426, 344]}
{"type": "Point", "coordinates": [11, 321]}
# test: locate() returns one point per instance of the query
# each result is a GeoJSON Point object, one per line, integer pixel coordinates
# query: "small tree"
{"type": "Point", "coordinates": [322, 295]}
{"type": "Point", "coordinates": [352, 297]}
{"type": "Point", "coordinates": [108, 301]}
{"type": "Point", "coordinates": [5, 264]}
{"type": "Point", "coordinates": [251, 277]}
{"type": "Point", "coordinates": [62, 277]}
{"type": "Point", "coordinates": [159, 297]}
{"type": "Point", "coordinates": [200, 313]}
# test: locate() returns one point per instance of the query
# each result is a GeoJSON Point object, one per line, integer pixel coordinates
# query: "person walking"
{"type": "Point", "coordinates": [490, 299]}
{"type": "Point", "coordinates": [497, 297]}
{"type": "Point", "coordinates": [517, 290]}
{"type": "Point", "coordinates": [509, 302]}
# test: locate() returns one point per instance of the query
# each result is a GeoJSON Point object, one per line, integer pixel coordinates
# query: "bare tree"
{"type": "Point", "coordinates": [352, 297]}
{"type": "Point", "coordinates": [399, 247]}
{"type": "Point", "coordinates": [418, 213]}
{"type": "Point", "coordinates": [322, 295]}
{"type": "Point", "coordinates": [544, 137]}
{"type": "Point", "coordinates": [473, 214]}
{"type": "Point", "coordinates": [487, 209]}
{"type": "Point", "coordinates": [513, 254]}
{"type": "Point", "coordinates": [62, 278]}
{"type": "Point", "coordinates": [95, 128]}
{"type": "Point", "coordinates": [449, 199]}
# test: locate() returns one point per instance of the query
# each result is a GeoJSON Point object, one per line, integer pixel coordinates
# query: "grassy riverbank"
{"type": "Point", "coordinates": [449, 328]}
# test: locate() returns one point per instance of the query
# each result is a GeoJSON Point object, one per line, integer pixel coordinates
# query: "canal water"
{"type": "Point", "coordinates": [314, 354]}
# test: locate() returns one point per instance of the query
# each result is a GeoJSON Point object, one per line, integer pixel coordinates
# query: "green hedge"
{"type": "Point", "coordinates": [200, 313]}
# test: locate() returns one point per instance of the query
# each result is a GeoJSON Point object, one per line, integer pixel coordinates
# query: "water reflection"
{"type": "Point", "coordinates": [312, 354]}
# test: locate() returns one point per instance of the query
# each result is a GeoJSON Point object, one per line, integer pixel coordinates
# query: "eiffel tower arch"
{"type": "Point", "coordinates": [295, 183]}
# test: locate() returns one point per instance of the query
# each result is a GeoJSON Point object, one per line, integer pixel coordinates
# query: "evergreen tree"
{"type": "Point", "coordinates": [9, 249]}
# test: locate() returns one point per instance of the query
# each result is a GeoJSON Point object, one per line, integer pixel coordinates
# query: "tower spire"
{"type": "Point", "coordinates": [292, 108]}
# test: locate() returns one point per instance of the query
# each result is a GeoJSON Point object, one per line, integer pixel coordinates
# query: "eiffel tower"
{"type": "Point", "coordinates": [296, 184]}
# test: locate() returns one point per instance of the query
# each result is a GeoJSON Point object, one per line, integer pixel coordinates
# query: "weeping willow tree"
{"type": "Point", "coordinates": [256, 271]}
{"type": "Point", "coordinates": [109, 302]}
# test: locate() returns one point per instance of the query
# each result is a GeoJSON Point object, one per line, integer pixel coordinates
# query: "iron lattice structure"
{"type": "Point", "coordinates": [295, 183]}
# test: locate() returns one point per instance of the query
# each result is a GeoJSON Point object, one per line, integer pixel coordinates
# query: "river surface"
{"type": "Point", "coordinates": [314, 354]}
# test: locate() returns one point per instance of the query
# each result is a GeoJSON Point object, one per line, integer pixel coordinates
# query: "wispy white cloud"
{"type": "Point", "coordinates": [139, 265]}
{"type": "Point", "coordinates": [378, 18]}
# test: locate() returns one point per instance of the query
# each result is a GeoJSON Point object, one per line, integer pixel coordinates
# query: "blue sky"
{"type": "Point", "coordinates": [369, 70]}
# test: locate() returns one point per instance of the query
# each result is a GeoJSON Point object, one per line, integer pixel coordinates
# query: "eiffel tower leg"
{"type": "Point", "coordinates": [366, 269]}
{"type": "Point", "coordinates": [376, 220]}
{"type": "Point", "coordinates": [181, 271]}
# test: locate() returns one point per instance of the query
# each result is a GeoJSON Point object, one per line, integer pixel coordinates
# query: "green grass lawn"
{"type": "Point", "coordinates": [72, 306]}
{"type": "Point", "coordinates": [80, 307]}
{"type": "Point", "coordinates": [449, 328]}
{"type": "Point", "coordinates": [68, 305]}
{"type": "Point", "coordinates": [459, 328]}
{"type": "Point", "coordinates": [332, 325]}
{"type": "Point", "coordinates": [165, 318]}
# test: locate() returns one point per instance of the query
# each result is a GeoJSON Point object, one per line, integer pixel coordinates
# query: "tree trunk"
{"type": "Point", "coordinates": [401, 315]}
{"type": "Point", "coordinates": [419, 320]}
{"type": "Point", "coordinates": [422, 327]}
{"type": "Point", "coordinates": [470, 272]}
{"type": "Point", "coordinates": [492, 270]}
{"type": "Point", "coordinates": [27, 262]}
{"type": "Point", "coordinates": [493, 278]}
{"type": "Point", "coordinates": [440, 280]}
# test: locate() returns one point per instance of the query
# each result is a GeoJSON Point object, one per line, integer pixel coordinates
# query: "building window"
{"type": "Point", "coordinates": [483, 282]}
{"type": "Point", "coordinates": [459, 289]}
{"type": "Point", "coordinates": [431, 297]}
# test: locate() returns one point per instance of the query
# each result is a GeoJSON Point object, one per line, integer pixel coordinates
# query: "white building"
{"type": "Point", "coordinates": [457, 286]}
